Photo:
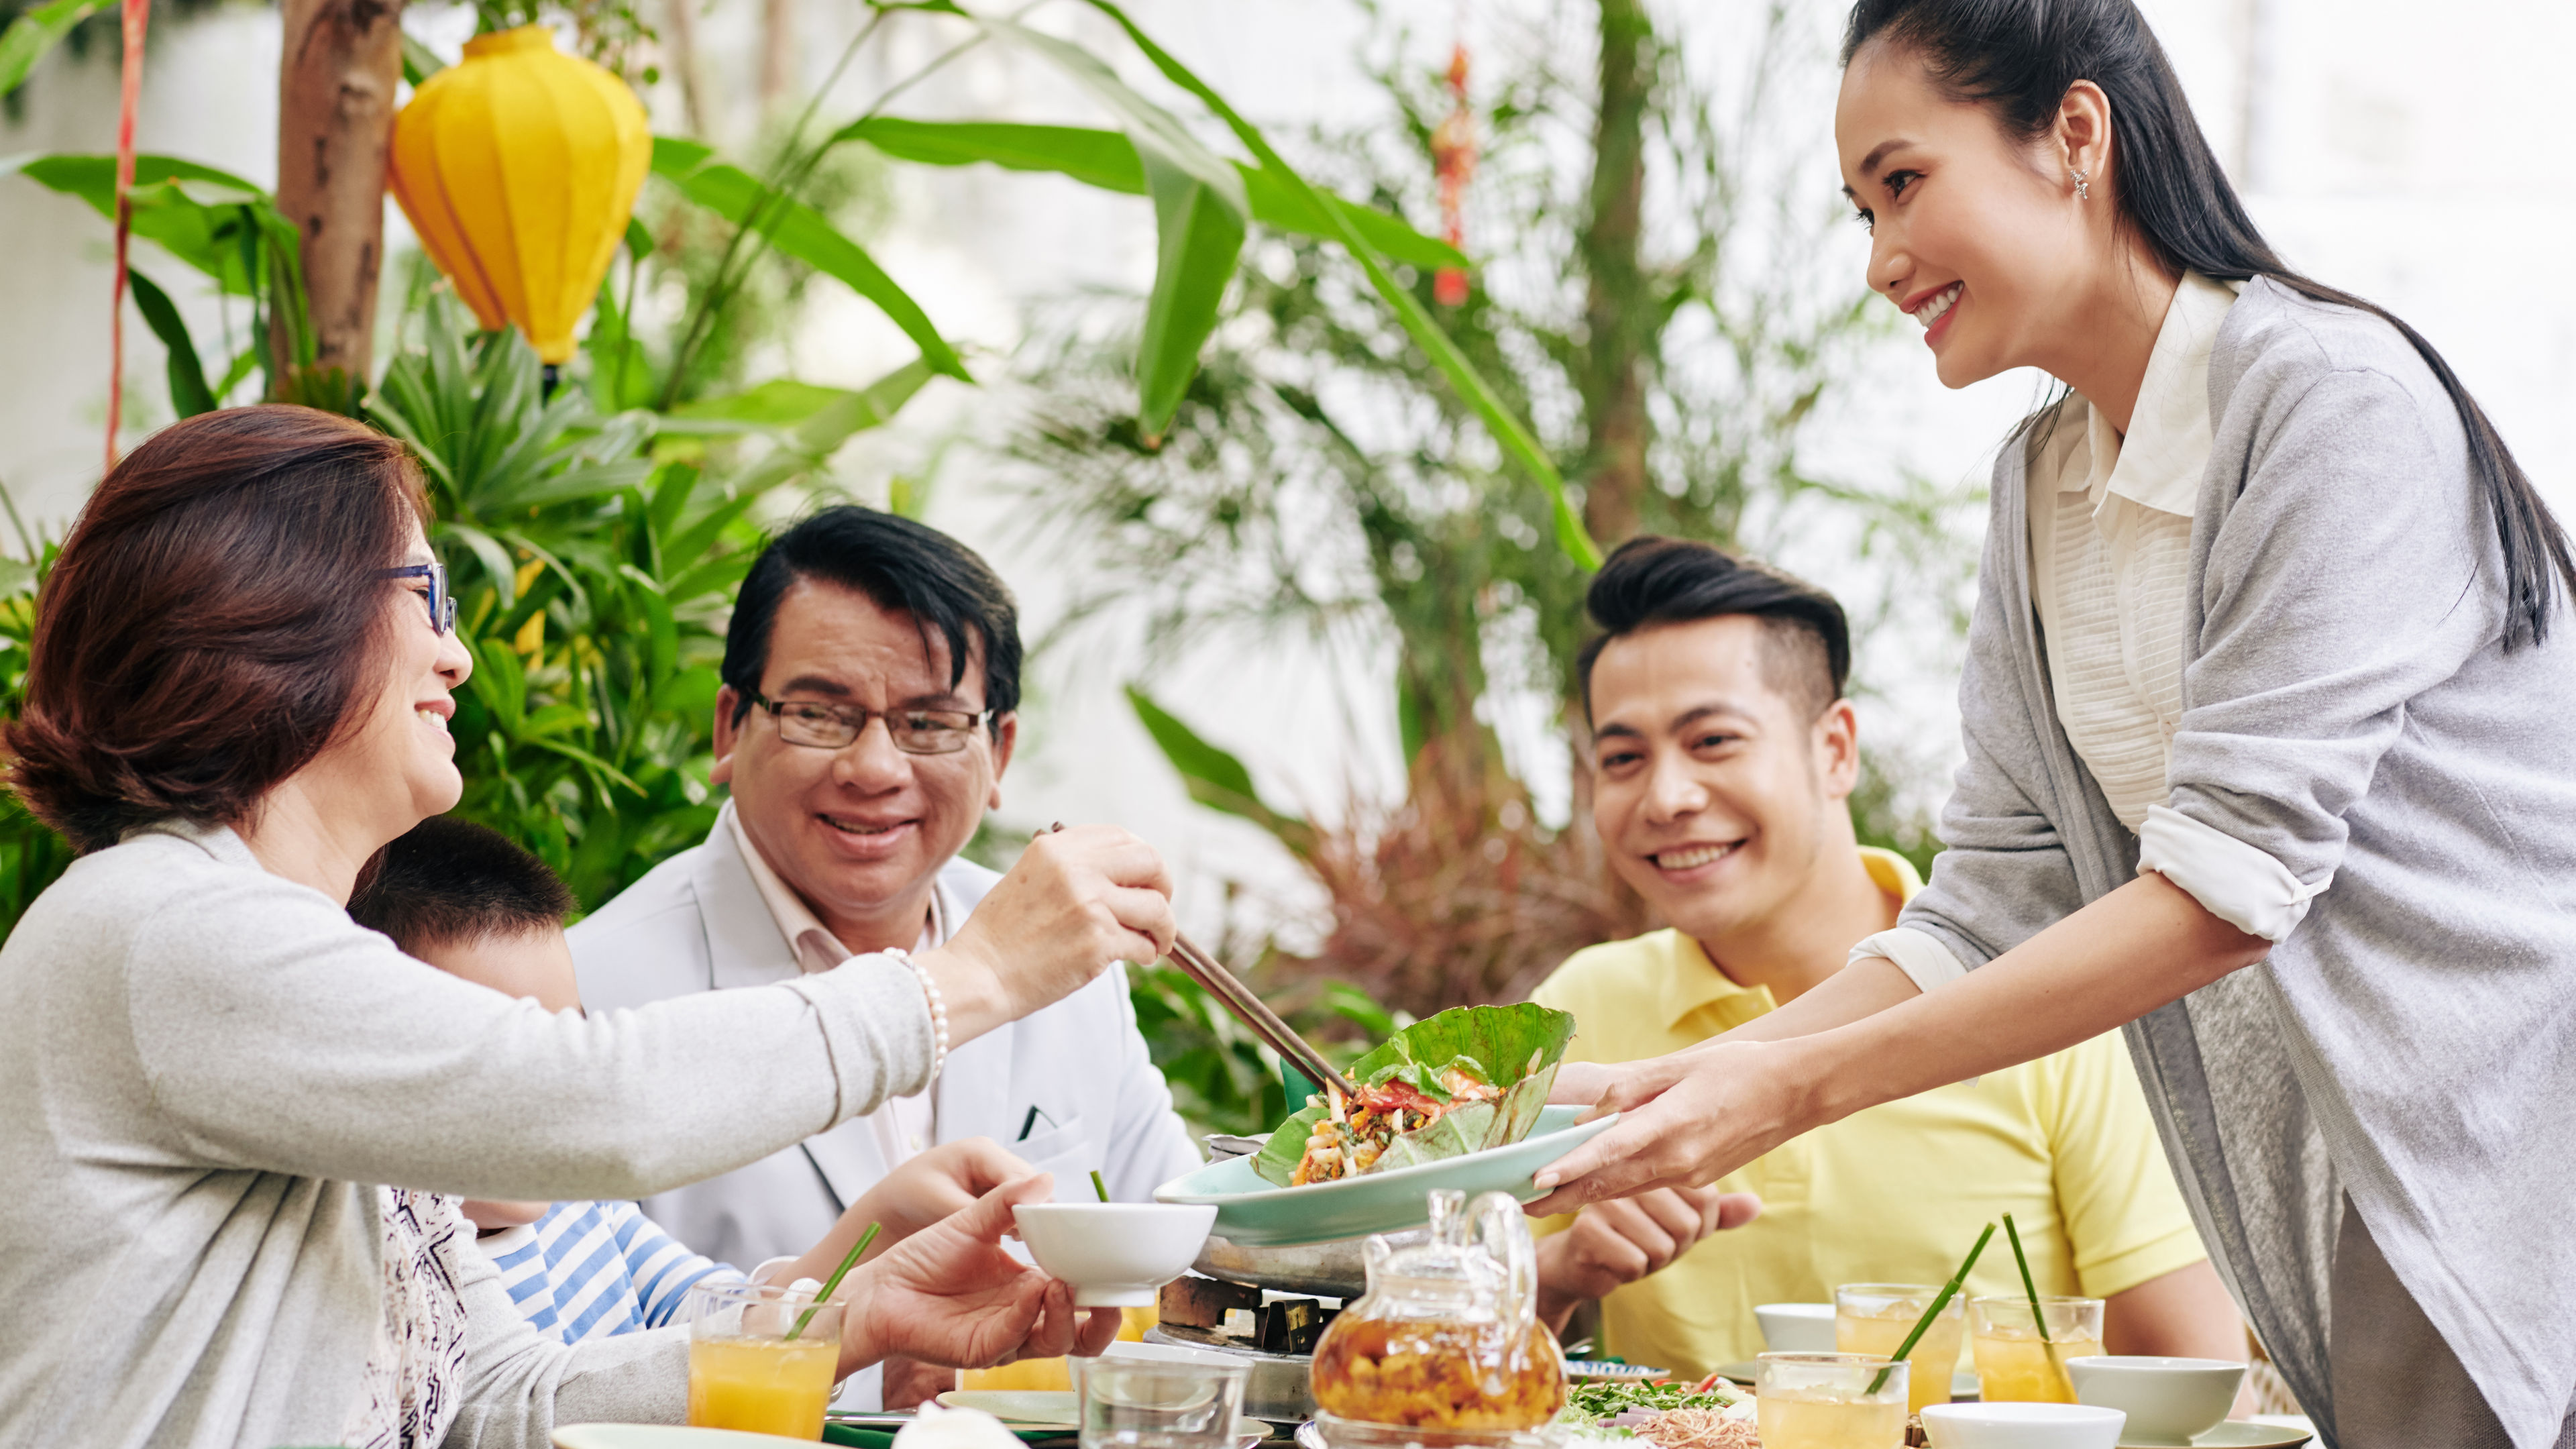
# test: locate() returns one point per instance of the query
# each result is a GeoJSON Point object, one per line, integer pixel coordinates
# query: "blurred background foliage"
{"type": "Point", "coordinates": [1320, 482]}
{"type": "Point", "coordinates": [1280, 422]}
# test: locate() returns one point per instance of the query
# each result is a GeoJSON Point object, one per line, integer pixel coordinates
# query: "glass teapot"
{"type": "Point", "coordinates": [1448, 1335]}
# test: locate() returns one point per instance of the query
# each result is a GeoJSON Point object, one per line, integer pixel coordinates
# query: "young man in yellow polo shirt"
{"type": "Point", "coordinates": [1724, 756]}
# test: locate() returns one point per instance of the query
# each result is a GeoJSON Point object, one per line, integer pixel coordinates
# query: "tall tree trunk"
{"type": "Point", "coordinates": [343, 59]}
{"type": "Point", "coordinates": [1617, 313]}
{"type": "Point", "coordinates": [680, 44]}
{"type": "Point", "coordinates": [777, 53]}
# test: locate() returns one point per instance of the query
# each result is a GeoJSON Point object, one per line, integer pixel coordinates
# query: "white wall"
{"type": "Point", "coordinates": [2398, 152]}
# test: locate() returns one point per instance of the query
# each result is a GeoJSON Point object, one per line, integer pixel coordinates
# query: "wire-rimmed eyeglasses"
{"type": "Point", "coordinates": [821, 726]}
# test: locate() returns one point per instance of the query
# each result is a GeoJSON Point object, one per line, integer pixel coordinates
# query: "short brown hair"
{"type": "Point", "coordinates": [213, 621]}
{"type": "Point", "coordinates": [446, 881]}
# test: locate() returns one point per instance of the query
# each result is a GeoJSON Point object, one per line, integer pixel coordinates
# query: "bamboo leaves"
{"type": "Point", "coordinates": [1471, 385]}
{"type": "Point", "coordinates": [799, 231]}
{"type": "Point", "coordinates": [36, 31]}
{"type": "Point", "coordinates": [189, 394]}
{"type": "Point", "coordinates": [1201, 212]}
{"type": "Point", "coordinates": [1107, 160]}
{"type": "Point", "coordinates": [1214, 777]}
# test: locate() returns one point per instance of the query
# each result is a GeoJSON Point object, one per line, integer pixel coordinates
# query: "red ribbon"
{"type": "Point", "coordinates": [130, 99]}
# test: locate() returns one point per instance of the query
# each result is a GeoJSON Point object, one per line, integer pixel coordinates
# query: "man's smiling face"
{"type": "Point", "coordinates": [1711, 782]}
{"type": "Point", "coordinates": [859, 832]}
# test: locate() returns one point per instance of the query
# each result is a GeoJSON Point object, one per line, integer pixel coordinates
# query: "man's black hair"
{"type": "Point", "coordinates": [1649, 581]}
{"type": "Point", "coordinates": [447, 881]}
{"type": "Point", "coordinates": [906, 568]}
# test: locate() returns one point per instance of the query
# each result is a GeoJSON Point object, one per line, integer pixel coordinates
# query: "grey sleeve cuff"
{"type": "Point", "coordinates": [876, 1024]}
{"type": "Point", "coordinates": [1924, 960]}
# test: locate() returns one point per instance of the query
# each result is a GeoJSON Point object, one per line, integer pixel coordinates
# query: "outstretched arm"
{"type": "Point", "coordinates": [2137, 948]}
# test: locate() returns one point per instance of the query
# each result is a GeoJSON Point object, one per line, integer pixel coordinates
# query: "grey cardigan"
{"type": "Point", "coordinates": [2349, 709]}
{"type": "Point", "coordinates": [203, 1067]}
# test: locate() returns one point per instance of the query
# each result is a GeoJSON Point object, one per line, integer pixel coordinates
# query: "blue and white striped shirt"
{"type": "Point", "coordinates": [594, 1269]}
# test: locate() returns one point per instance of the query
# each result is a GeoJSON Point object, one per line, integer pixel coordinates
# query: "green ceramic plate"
{"type": "Point", "coordinates": [1252, 1213]}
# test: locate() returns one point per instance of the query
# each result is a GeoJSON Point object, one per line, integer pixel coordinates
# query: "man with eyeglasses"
{"type": "Point", "coordinates": [871, 678]}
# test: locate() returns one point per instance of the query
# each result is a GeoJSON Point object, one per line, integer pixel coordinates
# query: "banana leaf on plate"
{"type": "Point", "coordinates": [1514, 1049]}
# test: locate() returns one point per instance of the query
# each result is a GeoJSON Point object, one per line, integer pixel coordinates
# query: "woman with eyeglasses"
{"type": "Point", "coordinates": [230, 1119]}
{"type": "Point", "coordinates": [2269, 753]}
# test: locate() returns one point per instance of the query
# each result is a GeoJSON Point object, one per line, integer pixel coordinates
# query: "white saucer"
{"type": "Point", "coordinates": [2237, 1434]}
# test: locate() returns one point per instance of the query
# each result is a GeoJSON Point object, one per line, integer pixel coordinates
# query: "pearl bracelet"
{"type": "Point", "coordinates": [938, 1010]}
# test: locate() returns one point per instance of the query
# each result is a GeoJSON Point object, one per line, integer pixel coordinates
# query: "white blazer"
{"type": "Point", "coordinates": [1070, 1087]}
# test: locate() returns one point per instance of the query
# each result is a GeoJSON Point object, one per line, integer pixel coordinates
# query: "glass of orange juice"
{"type": "Point", "coordinates": [1053, 1373]}
{"type": "Point", "coordinates": [1875, 1317]}
{"type": "Point", "coordinates": [762, 1358]}
{"type": "Point", "coordinates": [1830, 1400]}
{"type": "Point", "coordinates": [2014, 1362]}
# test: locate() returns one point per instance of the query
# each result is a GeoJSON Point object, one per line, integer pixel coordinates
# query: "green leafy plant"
{"type": "Point", "coordinates": [1318, 480]}
{"type": "Point", "coordinates": [228, 230]}
{"type": "Point", "coordinates": [31, 855]}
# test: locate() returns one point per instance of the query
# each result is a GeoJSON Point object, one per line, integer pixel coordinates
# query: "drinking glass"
{"type": "Point", "coordinates": [1825, 1401]}
{"type": "Point", "coordinates": [2013, 1363]}
{"type": "Point", "coordinates": [762, 1358]}
{"type": "Point", "coordinates": [1154, 1403]}
{"type": "Point", "coordinates": [1875, 1317]}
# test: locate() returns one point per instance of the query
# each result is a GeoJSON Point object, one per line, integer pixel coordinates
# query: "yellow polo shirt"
{"type": "Point", "coordinates": [1892, 1194]}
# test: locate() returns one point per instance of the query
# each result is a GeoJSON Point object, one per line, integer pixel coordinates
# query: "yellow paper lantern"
{"type": "Point", "coordinates": [518, 167]}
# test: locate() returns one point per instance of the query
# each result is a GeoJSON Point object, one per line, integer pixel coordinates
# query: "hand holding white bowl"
{"type": "Point", "coordinates": [1114, 1254]}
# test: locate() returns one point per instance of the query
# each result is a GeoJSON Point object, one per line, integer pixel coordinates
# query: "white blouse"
{"type": "Point", "coordinates": [2110, 549]}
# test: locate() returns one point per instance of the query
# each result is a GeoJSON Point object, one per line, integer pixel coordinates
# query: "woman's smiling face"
{"type": "Point", "coordinates": [400, 762]}
{"type": "Point", "coordinates": [1978, 236]}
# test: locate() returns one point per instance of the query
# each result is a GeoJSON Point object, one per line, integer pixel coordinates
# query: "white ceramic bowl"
{"type": "Point", "coordinates": [2168, 1400]}
{"type": "Point", "coordinates": [2021, 1426]}
{"type": "Point", "coordinates": [1796, 1327]}
{"type": "Point", "coordinates": [1115, 1254]}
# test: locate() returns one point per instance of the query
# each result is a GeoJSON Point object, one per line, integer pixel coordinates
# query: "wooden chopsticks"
{"type": "Point", "coordinates": [1255, 1013]}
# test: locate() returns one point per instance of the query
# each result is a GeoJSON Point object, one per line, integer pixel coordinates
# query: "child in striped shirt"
{"type": "Point", "coordinates": [467, 901]}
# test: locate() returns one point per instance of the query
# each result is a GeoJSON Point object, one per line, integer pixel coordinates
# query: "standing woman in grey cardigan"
{"type": "Point", "coordinates": [2270, 718]}
{"type": "Point", "coordinates": [239, 691]}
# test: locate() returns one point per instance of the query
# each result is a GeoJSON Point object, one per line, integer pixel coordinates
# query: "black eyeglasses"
{"type": "Point", "coordinates": [816, 725]}
{"type": "Point", "coordinates": [442, 604]}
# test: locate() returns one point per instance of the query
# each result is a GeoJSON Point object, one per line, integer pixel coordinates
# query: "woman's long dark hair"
{"type": "Point", "coordinates": [2020, 57]}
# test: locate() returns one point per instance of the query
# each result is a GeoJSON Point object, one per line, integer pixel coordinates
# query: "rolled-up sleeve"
{"type": "Point", "coordinates": [1921, 956]}
{"type": "Point", "coordinates": [2232, 880]}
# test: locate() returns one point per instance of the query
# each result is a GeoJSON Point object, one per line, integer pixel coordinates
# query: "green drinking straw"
{"type": "Point", "coordinates": [858, 1250]}
{"type": "Point", "coordinates": [1096, 1185]}
{"type": "Point", "coordinates": [1949, 1291]}
{"type": "Point", "coordinates": [2030, 1288]}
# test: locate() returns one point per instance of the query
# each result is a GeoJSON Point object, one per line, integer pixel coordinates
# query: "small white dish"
{"type": "Point", "coordinates": [2021, 1426]}
{"type": "Point", "coordinates": [2169, 1401]}
{"type": "Point", "coordinates": [1115, 1254]}
{"type": "Point", "coordinates": [1796, 1327]}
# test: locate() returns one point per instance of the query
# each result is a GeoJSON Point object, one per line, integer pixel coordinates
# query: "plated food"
{"type": "Point", "coordinates": [1714, 1415]}
{"type": "Point", "coordinates": [1468, 1079]}
{"type": "Point", "coordinates": [1254, 1212]}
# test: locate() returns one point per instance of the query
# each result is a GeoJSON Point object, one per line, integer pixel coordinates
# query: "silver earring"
{"type": "Point", "coordinates": [2083, 188]}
